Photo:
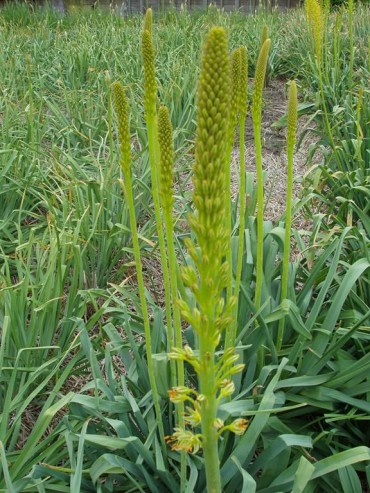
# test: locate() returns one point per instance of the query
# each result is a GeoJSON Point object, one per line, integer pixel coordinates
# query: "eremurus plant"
{"type": "Point", "coordinates": [211, 307]}
{"type": "Point", "coordinates": [259, 81]}
{"type": "Point", "coordinates": [210, 275]}
{"type": "Point", "coordinates": [239, 94]}
{"type": "Point", "coordinates": [165, 136]}
{"type": "Point", "coordinates": [150, 106]}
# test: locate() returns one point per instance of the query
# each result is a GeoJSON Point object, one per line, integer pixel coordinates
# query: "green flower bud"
{"type": "Point", "coordinates": [148, 21]}
{"type": "Point", "coordinates": [243, 83]}
{"type": "Point", "coordinates": [292, 115]}
{"type": "Point", "coordinates": [259, 80]}
{"type": "Point", "coordinates": [316, 23]}
{"type": "Point", "coordinates": [121, 106]}
{"type": "Point", "coordinates": [235, 85]}
{"type": "Point", "coordinates": [166, 159]}
{"type": "Point", "coordinates": [211, 141]}
{"type": "Point", "coordinates": [150, 85]}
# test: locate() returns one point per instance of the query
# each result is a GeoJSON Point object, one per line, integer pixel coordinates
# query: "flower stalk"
{"type": "Point", "coordinates": [259, 81]}
{"type": "Point", "coordinates": [150, 97]}
{"type": "Point", "coordinates": [165, 135]}
{"type": "Point", "coordinates": [242, 113]}
{"type": "Point", "coordinates": [291, 138]}
{"type": "Point", "coordinates": [209, 277]}
{"type": "Point", "coordinates": [121, 105]}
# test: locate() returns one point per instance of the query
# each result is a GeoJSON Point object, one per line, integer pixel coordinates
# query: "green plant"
{"type": "Point", "coordinates": [66, 260]}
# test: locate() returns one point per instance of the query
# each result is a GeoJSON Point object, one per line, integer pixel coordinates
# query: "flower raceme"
{"type": "Point", "coordinates": [315, 21]}
{"type": "Point", "coordinates": [207, 278]}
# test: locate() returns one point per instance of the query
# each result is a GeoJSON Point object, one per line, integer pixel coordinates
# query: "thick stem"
{"type": "Point", "coordinates": [207, 382]}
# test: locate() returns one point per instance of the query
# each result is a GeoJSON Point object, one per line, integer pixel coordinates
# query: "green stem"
{"type": "Point", "coordinates": [127, 189]}
{"type": "Point", "coordinates": [260, 209]}
{"type": "Point", "coordinates": [351, 52]}
{"type": "Point", "coordinates": [228, 227]}
{"type": "Point", "coordinates": [239, 265]}
{"type": "Point", "coordinates": [178, 334]}
{"type": "Point", "coordinates": [288, 229]}
{"type": "Point", "coordinates": [207, 383]}
{"type": "Point", "coordinates": [154, 163]}
{"type": "Point", "coordinates": [323, 102]}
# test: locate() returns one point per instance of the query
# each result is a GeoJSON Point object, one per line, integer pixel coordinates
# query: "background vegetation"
{"type": "Point", "coordinates": [75, 401]}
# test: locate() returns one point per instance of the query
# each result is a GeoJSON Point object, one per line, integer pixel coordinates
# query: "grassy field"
{"type": "Point", "coordinates": [84, 368]}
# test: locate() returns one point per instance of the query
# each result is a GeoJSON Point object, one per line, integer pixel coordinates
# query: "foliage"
{"type": "Point", "coordinates": [76, 341]}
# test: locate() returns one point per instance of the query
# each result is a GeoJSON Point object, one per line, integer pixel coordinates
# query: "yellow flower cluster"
{"type": "Point", "coordinates": [166, 159]}
{"type": "Point", "coordinates": [150, 85]}
{"type": "Point", "coordinates": [121, 106]}
{"type": "Point", "coordinates": [259, 80]}
{"type": "Point", "coordinates": [315, 20]}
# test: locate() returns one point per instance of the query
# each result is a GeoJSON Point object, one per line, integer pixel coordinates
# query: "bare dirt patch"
{"type": "Point", "coordinates": [274, 152]}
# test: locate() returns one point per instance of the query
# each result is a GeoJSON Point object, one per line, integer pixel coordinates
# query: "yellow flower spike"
{"type": "Point", "coordinates": [315, 20]}
{"type": "Point", "coordinates": [235, 85]}
{"type": "Point", "coordinates": [166, 159]}
{"type": "Point", "coordinates": [292, 115]}
{"type": "Point", "coordinates": [122, 109]}
{"type": "Point", "coordinates": [148, 21]}
{"type": "Point", "coordinates": [121, 106]}
{"type": "Point", "coordinates": [150, 85]}
{"type": "Point", "coordinates": [259, 80]}
{"type": "Point", "coordinates": [243, 82]}
{"type": "Point", "coordinates": [210, 145]}
{"type": "Point", "coordinates": [291, 138]}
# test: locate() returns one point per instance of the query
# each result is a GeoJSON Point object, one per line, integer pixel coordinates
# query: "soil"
{"type": "Point", "coordinates": [274, 152]}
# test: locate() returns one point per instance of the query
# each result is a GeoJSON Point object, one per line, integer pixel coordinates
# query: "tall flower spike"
{"type": "Point", "coordinates": [121, 106]}
{"type": "Point", "coordinates": [166, 159]}
{"type": "Point", "coordinates": [150, 86]}
{"type": "Point", "coordinates": [292, 115]}
{"type": "Point", "coordinates": [148, 21]}
{"type": "Point", "coordinates": [315, 20]}
{"type": "Point", "coordinates": [259, 80]}
{"type": "Point", "coordinates": [235, 85]}
{"type": "Point", "coordinates": [291, 137]}
{"type": "Point", "coordinates": [210, 145]}
{"type": "Point", "coordinates": [243, 83]}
